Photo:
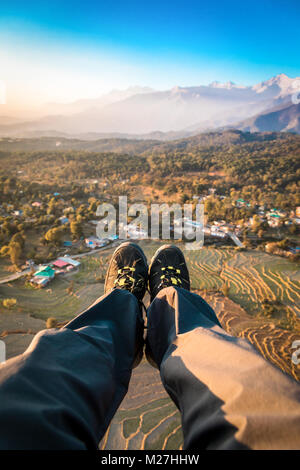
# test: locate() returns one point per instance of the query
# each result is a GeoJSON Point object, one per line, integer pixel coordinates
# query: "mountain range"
{"type": "Point", "coordinates": [144, 113]}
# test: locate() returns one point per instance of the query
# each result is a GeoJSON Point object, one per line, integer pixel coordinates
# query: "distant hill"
{"type": "Point", "coordinates": [281, 119]}
{"type": "Point", "coordinates": [138, 146]}
{"type": "Point", "coordinates": [60, 144]}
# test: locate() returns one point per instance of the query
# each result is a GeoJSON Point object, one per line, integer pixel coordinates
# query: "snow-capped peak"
{"type": "Point", "coordinates": [227, 85]}
{"type": "Point", "coordinates": [284, 84]}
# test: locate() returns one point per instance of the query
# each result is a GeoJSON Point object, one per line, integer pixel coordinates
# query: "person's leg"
{"type": "Point", "coordinates": [64, 390]}
{"type": "Point", "coordinates": [229, 396]}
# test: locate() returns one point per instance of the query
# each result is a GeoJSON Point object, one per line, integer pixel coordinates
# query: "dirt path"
{"type": "Point", "coordinates": [15, 276]}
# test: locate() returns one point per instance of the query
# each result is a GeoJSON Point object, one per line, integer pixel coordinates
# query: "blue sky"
{"type": "Point", "coordinates": [63, 50]}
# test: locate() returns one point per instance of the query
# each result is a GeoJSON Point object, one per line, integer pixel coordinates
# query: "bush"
{"type": "Point", "coordinates": [225, 290]}
{"type": "Point", "coordinates": [271, 247]}
{"type": "Point", "coordinates": [70, 288]}
{"type": "Point", "coordinates": [9, 303]}
{"type": "Point", "coordinates": [270, 308]}
{"type": "Point", "coordinates": [51, 322]}
{"type": "Point", "coordinates": [295, 258]}
{"type": "Point", "coordinates": [4, 251]}
{"type": "Point", "coordinates": [283, 243]}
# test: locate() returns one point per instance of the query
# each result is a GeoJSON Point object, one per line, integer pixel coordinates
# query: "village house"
{"type": "Point", "coordinates": [94, 242]}
{"type": "Point", "coordinates": [71, 261]}
{"type": "Point", "coordinates": [240, 203]}
{"type": "Point", "coordinates": [43, 276]}
{"type": "Point", "coordinates": [64, 265]}
{"type": "Point", "coordinates": [63, 220]}
{"type": "Point", "coordinates": [274, 222]}
{"type": "Point", "coordinates": [67, 243]}
{"type": "Point", "coordinates": [18, 213]}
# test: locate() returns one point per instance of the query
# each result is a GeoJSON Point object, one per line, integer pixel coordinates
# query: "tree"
{"type": "Point", "coordinates": [184, 198]}
{"type": "Point", "coordinates": [53, 207]}
{"type": "Point", "coordinates": [93, 204]}
{"type": "Point", "coordinates": [4, 251]}
{"type": "Point", "coordinates": [261, 233]}
{"type": "Point", "coordinates": [70, 288]}
{"type": "Point", "coordinates": [76, 229]}
{"type": "Point", "coordinates": [51, 322]}
{"type": "Point", "coordinates": [293, 229]}
{"type": "Point", "coordinates": [256, 226]}
{"type": "Point", "coordinates": [15, 252]}
{"type": "Point", "coordinates": [54, 235]}
{"type": "Point", "coordinates": [9, 303]}
{"type": "Point", "coordinates": [19, 238]}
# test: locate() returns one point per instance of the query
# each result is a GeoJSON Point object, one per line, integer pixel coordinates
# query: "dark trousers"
{"type": "Point", "coordinates": [63, 391]}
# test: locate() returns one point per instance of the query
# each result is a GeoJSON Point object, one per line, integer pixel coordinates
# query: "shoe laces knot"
{"type": "Point", "coordinates": [170, 277]}
{"type": "Point", "coordinates": [125, 279]}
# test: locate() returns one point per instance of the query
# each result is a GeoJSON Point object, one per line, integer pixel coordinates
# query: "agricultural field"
{"type": "Point", "coordinates": [147, 418]}
{"type": "Point", "coordinates": [255, 296]}
{"type": "Point", "coordinates": [251, 277]}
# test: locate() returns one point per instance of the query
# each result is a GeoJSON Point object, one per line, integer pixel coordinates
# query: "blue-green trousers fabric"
{"type": "Point", "coordinates": [63, 391]}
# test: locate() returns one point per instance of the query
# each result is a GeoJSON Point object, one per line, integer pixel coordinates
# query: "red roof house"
{"type": "Point", "coordinates": [59, 263]}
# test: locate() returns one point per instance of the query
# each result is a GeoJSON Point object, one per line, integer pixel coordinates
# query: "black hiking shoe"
{"type": "Point", "coordinates": [128, 269]}
{"type": "Point", "coordinates": [168, 268]}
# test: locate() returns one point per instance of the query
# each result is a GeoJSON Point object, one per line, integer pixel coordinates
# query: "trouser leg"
{"type": "Point", "coordinates": [63, 391]}
{"type": "Point", "coordinates": [229, 396]}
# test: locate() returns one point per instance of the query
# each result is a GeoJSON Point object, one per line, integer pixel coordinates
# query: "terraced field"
{"type": "Point", "coordinates": [147, 419]}
{"type": "Point", "coordinates": [274, 343]}
{"type": "Point", "coordinates": [252, 277]}
{"type": "Point", "coordinates": [206, 267]}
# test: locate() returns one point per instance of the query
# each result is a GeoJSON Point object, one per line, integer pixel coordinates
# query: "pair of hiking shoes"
{"type": "Point", "coordinates": [128, 269]}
